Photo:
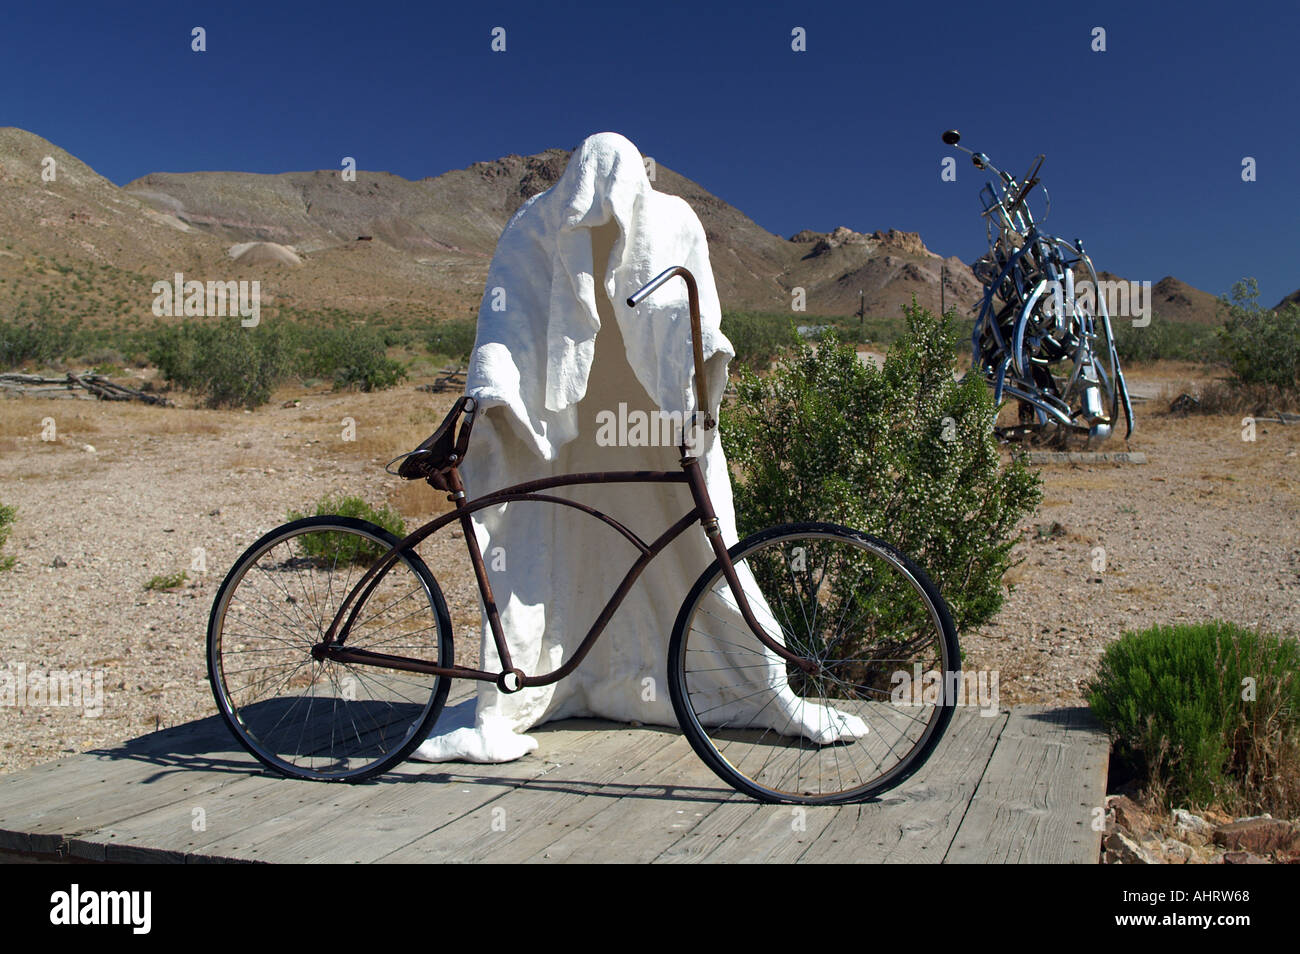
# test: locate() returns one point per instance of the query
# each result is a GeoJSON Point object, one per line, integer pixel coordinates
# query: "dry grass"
{"type": "Point", "coordinates": [415, 500]}
{"type": "Point", "coordinates": [1218, 396]}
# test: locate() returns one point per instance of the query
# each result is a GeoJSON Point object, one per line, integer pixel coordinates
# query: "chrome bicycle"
{"type": "Point", "coordinates": [1043, 334]}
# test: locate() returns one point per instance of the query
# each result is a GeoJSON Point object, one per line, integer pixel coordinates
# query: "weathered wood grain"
{"type": "Point", "coordinates": [1037, 801]}
{"type": "Point", "coordinates": [1018, 787]}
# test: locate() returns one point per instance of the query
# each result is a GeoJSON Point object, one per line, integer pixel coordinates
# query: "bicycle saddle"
{"type": "Point", "coordinates": [442, 450]}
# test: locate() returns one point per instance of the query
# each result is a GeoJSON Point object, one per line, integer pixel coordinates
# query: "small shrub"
{"type": "Point", "coordinates": [37, 335]}
{"type": "Point", "coordinates": [7, 516]}
{"type": "Point", "coordinates": [452, 338]}
{"type": "Point", "coordinates": [905, 453]}
{"type": "Point", "coordinates": [1261, 346]}
{"type": "Point", "coordinates": [337, 548]}
{"type": "Point", "coordinates": [1207, 713]}
{"type": "Point", "coordinates": [225, 363]}
{"type": "Point", "coordinates": [354, 357]}
{"type": "Point", "coordinates": [758, 338]}
{"type": "Point", "coordinates": [167, 581]}
{"type": "Point", "coordinates": [1163, 340]}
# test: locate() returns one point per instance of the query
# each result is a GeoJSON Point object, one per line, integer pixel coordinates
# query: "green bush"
{"type": "Point", "coordinates": [354, 357]}
{"type": "Point", "coordinates": [167, 581]}
{"type": "Point", "coordinates": [338, 548]}
{"type": "Point", "coordinates": [452, 338]}
{"type": "Point", "coordinates": [225, 363]}
{"type": "Point", "coordinates": [7, 517]}
{"type": "Point", "coordinates": [37, 335]}
{"type": "Point", "coordinates": [1208, 713]}
{"type": "Point", "coordinates": [1261, 346]}
{"type": "Point", "coordinates": [758, 338]}
{"type": "Point", "coordinates": [1163, 340]}
{"type": "Point", "coordinates": [905, 453]}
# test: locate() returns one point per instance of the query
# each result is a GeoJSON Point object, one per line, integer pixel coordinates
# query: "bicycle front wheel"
{"type": "Point", "coordinates": [322, 719]}
{"type": "Point", "coordinates": [864, 716]}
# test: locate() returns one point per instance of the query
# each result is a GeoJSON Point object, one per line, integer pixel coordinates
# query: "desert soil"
{"type": "Point", "coordinates": [1209, 528]}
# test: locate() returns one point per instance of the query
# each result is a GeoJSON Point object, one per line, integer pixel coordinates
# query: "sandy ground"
{"type": "Point", "coordinates": [1210, 528]}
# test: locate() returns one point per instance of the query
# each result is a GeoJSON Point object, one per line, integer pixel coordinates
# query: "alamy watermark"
{"type": "Point", "coordinates": [1122, 299]}
{"type": "Point", "coordinates": [978, 689]}
{"type": "Point", "coordinates": [196, 299]}
{"type": "Point", "coordinates": [83, 689]}
{"type": "Point", "coordinates": [637, 428]}
{"type": "Point", "coordinates": [133, 909]}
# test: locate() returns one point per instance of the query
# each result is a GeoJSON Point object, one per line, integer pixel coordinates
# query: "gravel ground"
{"type": "Point", "coordinates": [1209, 528]}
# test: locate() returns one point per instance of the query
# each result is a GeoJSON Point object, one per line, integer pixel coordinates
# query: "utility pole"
{"type": "Point", "coordinates": [943, 276]}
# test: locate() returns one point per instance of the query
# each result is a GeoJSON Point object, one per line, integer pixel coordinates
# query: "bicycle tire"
{"type": "Point", "coordinates": [754, 757]}
{"type": "Point", "coordinates": [363, 737]}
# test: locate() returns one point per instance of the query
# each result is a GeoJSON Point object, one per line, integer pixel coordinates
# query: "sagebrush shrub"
{"type": "Point", "coordinates": [1163, 340]}
{"type": "Point", "coordinates": [905, 453]}
{"type": "Point", "coordinates": [354, 357]}
{"type": "Point", "coordinates": [225, 363]}
{"type": "Point", "coordinates": [757, 338]}
{"type": "Point", "coordinates": [37, 334]}
{"type": "Point", "coordinates": [1207, 713]}
{"type": "Point", "coordinates": [7, 517]}
{"type": "Point", "coordinates": [452, 338]}
{"type": "Point", "coordinates": [348, 548]}
{"type": "Point", "coordinates": [1261, 346]}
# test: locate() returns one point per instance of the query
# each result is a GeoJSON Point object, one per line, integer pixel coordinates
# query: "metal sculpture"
{"type": "Point", "coordinates": [1042, 336]}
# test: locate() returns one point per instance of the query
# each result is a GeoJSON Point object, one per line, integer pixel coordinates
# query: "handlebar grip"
{"type": "Point", "coordinates": [697, 345]}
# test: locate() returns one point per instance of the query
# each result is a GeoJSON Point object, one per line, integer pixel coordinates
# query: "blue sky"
{"type": "Point", "coordinates": [1144, 142]}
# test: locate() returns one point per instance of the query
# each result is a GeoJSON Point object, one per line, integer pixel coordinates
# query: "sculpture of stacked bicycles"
{"type": "Point", "coordinates": [1035, 339]}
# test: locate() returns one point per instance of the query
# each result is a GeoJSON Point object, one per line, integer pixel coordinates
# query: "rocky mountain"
{"type": "Point", "coordinates": [1177, 301]}
{"type": "Point", "coordinates": [881, 270]}
{"type": "Point", "coordinates": [382, 242]}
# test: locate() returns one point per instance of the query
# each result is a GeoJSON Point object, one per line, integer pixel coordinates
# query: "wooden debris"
{"type": "Point", "coordinates": [1087, 457]}
{"type": "Point", "coordinates": [449, 379]}
{"type": "Point", "coordinates": [95, 385]}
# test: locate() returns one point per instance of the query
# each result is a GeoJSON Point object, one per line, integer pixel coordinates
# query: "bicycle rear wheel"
{"type": "Point", "coordinates": [322, 719]}
{"type": "Point", "coordinates": [875, 703]}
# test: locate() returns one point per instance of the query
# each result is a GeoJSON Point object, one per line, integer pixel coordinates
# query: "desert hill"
{"type": "Point", "coordinates": [390, 244]}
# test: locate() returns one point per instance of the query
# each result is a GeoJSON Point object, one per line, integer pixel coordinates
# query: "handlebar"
{"type": "Point", "coordinates": [953, 138]}
{"type": "Point", "coordinates": [1029, 181]}
{"type": "Point", "coordinates": [697, 345]}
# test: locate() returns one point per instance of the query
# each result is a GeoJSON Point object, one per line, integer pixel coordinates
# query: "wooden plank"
{"type": "Point", "coordinates": [538, 813]}
{"type": "Point", "coordinates": [235, 819]}
{"type": "Point", "coordinates": [657, 803]}
{"type": "Point", "coordinates": [913, 823]}
{"type": "Point", "coordinates": [1087, 457]}
{"type": "Point", "coordinates": [443, 799]}
{"type": "Point", "coordinates": [743, 830]}
{"type": "Point", "coordinates": [1018, 787]}
{"type": "Point", "coordinates": [1037, 800]}
{"type": "Point", "coordinates": [57, 807]}
{"type": "Point", "coordinates": [244, 820]}
{"type": "Point", "coordinates": [141, 752]}
{"type": "Point", "coordinates": [83, 793]}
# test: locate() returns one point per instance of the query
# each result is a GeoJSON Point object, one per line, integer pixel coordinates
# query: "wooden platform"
{"type": "Point", "coordinates": [1018, 786]}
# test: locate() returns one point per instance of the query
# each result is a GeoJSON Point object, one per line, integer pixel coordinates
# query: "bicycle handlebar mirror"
{"type": "Point", "coordinates": [952, 137]}
{"type": "Point", "coordinates": [697, 345]}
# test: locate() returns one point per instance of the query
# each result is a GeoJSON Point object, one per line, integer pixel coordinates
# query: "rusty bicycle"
{"type": "Point", "coordinates": [794, 667]}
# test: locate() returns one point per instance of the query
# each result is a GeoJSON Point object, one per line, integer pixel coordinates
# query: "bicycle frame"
{"type": "Point", "coordinates": [1032, 263]}
{"type": "Point", "coordinates": [511, 679]}
{"type": "Point", "coordinates": [1015, 356]}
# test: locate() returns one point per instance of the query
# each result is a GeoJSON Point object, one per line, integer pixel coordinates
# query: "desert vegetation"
{"type": "Point", "coordinates": [1206, 714]}
{"type": "Point", "coordinates": [904, 452]}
